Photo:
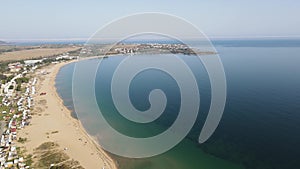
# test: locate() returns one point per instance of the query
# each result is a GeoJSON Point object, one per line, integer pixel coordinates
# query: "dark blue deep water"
{"type": "Point", "coordinates": [261, 122]}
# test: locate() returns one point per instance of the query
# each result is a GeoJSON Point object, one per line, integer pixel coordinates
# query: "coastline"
{"type": "Point", "coordinates": [54, 117]}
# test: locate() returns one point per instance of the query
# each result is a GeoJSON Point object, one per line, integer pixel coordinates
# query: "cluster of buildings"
{"type": "Point", "coordinates": [18, 66]}
{"type": "Point", "coordinates": [65, 56]}
{"type": "Point", "coordinates": [32, 62]}
{"type": "Point", "coordinates": [9, 87]}
{"type": "Point", "coordinates": [86, 51]}
{"type": "Point", "coordinates": [126, 50]}
{"type": "Point", "coordinates": [15, 116]}
{"type": "Point", "coordinates": [9, 156]}
{"type": "Point", "coordinates": [15, 108]}
{"type": "Point", "coordinates": [150, 47]}
{"type": "Point", "coordinates": [168, 46]}
{"type": "Point", "coordinates": [15, 67]}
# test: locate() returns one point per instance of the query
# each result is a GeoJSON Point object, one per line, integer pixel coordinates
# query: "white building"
{"type": "Point", "coordinates": [32, 62]}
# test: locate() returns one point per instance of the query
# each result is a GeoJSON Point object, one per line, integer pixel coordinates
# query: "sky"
{"type": "Point", "coordinates": [66, 19]}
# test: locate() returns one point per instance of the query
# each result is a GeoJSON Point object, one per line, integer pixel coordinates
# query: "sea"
{"type": "Point", "coordinates": [260, 126]}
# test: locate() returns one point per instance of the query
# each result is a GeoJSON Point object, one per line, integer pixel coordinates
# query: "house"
{"type": "Point", "coordinates": [34, 81]}
{"type": "Point", "coordinates": [13, 130]}
{"type": "Point", "coordinates": [8, 164]}
{"type": "Point", "coordinates": [67, 57]}
{"type": "Point", "coordinates": [32, 90]}
{"type": "Point", "coordinates": [32, 62]}
{"type": "Point", "coordinates": [15, 67]}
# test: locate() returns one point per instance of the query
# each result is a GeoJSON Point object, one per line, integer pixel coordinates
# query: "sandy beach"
{"type": "Point", "coordinates": [53, 122]}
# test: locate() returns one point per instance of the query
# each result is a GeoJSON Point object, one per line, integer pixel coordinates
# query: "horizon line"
{"type": "Point", "coordinates": [12, 40]}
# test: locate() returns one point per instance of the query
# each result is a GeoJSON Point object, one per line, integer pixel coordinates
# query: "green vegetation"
{"type": "Point", "coordinates": [53, 132]}
{"type": "Point", "coordinates": [3, 66]}
{"type": "Point", "coordinates": [18, 87]}
{"type": "Point", "coordinates": [9, 78]}
{"type": "Point", "coordinates": [52, 157]}
{"type": "Point", "coordinates": [7, 109]}
{"type": "Point", "coordinates": [2, 77]}
{"type": "Point", "coordinates": [4, 108]}
{"type": "Point", "coordinates": [11, 87]}
{"type": "Point", "coordinates": [47, 146]}
{"type": "Point", "coordinates": [49, 153]}
{"type": "Point", "coordinates": [22, 140]}
{"type": "Point", "coordinates": [12, 48]}
{"type": "Point", "coordinates": [28, 160]}
{"type": "Point", "coordinates": [22, 80]}
{"type": "Point", "coordinates": [19, 82]}
{"type": "Point", "coordinates": [67, 164]}
{"type": "Point", "coordinates": [75, 52]}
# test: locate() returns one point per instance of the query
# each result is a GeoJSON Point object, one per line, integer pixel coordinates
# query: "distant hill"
{"type": "Point", "coordinates": [4, 43]}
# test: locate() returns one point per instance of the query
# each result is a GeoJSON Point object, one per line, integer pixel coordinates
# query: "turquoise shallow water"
{"type": "Point", "coordinates": [260, 125]}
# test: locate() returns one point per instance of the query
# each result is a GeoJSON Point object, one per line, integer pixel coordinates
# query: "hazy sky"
{"type": "Point", "coordinates": [37, 19]}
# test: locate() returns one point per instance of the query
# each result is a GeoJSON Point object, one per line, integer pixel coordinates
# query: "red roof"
{"type": "Point", "coordinates": [13, 130]}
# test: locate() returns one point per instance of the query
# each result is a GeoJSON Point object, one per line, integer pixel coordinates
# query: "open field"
{"type": "Point", "coordinates": [34, 53]}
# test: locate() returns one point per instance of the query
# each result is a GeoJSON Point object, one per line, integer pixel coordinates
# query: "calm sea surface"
{"type": "Point", "coordinates": [261, 122]}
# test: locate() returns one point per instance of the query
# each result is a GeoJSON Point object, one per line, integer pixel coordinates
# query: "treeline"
{"type": "Point", "coordinates": [3, 67]}
{"type": "Point", "coordinates": [19, 81]}
{"type": "Point", "coordinates": [14, 48]}
{"type": "Point", "coordinates": [6, 79]}
{"type": "Point", "coordinates": [75, 52]}
{"type": "Point", "coordinates": [22, 80]}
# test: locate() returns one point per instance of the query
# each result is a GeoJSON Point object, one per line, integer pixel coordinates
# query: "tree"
{"type": "Point", "coordinates": [18, 87]}
{"type": "Point", "coordinates": [22, 80]}
{"type": "Point", "coordinates": [11, 87]}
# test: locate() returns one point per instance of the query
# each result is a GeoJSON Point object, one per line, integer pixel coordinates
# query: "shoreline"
{"type": "Point", "coordinates": [92, 141]}
{"type": "Point", "coordinates": [97, 146]}
{"type": "Point", "coordinates": [83, 147]}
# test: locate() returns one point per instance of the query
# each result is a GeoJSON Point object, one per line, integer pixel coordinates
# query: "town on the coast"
{"type": "Point", "coordinates": [20, 94]}
{"type": "Point", "coordinates": [17, 93]}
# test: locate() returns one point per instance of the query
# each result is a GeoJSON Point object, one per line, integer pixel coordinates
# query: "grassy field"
{"type": "Point", "coordinates": [34, 53]}
{"type": "Point", "coordinates": [50, 153]}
